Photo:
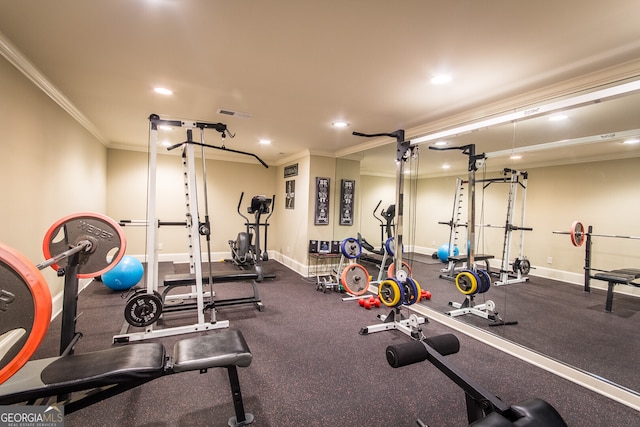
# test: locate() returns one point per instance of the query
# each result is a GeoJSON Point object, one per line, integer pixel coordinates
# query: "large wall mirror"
{"type": "Point", "coordinates": [582, 164]}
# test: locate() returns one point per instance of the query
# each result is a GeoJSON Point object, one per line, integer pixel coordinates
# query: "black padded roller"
{"type": "Point", "coordinates": [406, 354]}
{"type": "Point", "coordinates": [444, 344]}
{"type": "Point", "coordinates": [415, 351]}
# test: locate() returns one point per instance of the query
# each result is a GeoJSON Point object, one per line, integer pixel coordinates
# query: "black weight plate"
{"type": "Point", "coordinates": [143, 310]}
{"type": "Point", "coordinates": [25, 310]}
{"type": "Point", "coordinates": [107, 238]}
{"type": "Point", "coordinates": [411, 291]}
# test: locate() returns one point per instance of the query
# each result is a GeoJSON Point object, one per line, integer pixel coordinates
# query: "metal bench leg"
{"type": "Point", "coordinates": [609, 304]}
{"type": "Point", "coordinates": [241, 418]}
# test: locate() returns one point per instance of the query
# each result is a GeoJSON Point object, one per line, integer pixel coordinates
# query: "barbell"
{"type": "Point", "coordinates": [578, 234]}
{"type": "Point", "coordinates": [95, 241]}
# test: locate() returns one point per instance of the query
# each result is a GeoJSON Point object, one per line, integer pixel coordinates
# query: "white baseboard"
{"type": "Point", "coordinates": [302, 269]}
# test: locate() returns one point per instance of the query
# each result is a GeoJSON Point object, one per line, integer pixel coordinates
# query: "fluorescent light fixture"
{"type": "Point", "coordinates": [339, 124]}
{"type": "Point", "coordinates": [441, 79]}
{"type": "Point", "coordinates": [163, 91]}
{"type": "Point", "coordinates": [592, 139]}
{"type": "Point", "coordinates": [554, 106]}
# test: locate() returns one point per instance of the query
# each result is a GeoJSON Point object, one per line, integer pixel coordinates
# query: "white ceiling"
{"type": "Point", "coordinates": [298, 65]}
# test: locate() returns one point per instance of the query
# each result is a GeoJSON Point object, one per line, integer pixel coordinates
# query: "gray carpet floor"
{"type": "Point", "coordinates": [311, 366]}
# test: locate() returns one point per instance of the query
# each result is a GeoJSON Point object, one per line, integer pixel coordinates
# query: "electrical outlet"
{"type": "Point", "coordinates": [549, 260]}
{"type": "Point", "coordinates": [159, 246]}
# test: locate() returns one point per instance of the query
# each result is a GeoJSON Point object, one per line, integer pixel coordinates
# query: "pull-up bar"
{"type": "Point", "coordinates": [219, 127]}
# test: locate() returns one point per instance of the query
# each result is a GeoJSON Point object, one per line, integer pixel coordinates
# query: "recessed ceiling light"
{"type": "Point", "coordinates": [265, 141]}
{"type": "Point", "coordinates": [339, 124]}
{"type": "Point", "coordinates": [441, 79]}
{"type": "Point", "coordinates": [631, 141]}
{"type": "Point", "coordinates": [515, 157]}
{"type": "Point", "coordinates": [441, 143]}
{"type": "Point", "coordinates": [166, 143]}
{"type": "Point", "coordinates": [446, 166]}
{"type": "Point", "coordinates": [165, 127]}
{"type": "Point", "coordinates": [163, 91]}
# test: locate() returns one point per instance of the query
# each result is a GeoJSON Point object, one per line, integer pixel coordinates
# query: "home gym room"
{"type": "Point", "coordinates": [547, 337]}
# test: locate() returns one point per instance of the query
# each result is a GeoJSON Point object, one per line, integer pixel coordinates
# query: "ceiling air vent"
{"type": "Point", "coordinates": [232, 113]}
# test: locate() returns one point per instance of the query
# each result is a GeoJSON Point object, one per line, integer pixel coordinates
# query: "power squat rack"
{"type": "Point", "coordinates": [145, 307]}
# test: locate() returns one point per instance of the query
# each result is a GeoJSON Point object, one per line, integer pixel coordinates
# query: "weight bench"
{"type": "Point", "coordinates": [484, 409]}
{"type": "Point", "coordinates": [454, 261]}
{"type": "Point", "coordinates": [616, 277]}
{"type": "Point", "coordinates": [84, 379]}
{"type": "Point", "coordinates": [172, 281]}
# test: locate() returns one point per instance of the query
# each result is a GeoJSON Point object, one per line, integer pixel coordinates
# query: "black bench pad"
{"type": "Point", "coordinates": [530, 413]}
{"type": "Point", "coordinates": [614, 277]}
{"type": "Point", "coordinates": [66, 374]}
{"type": "Point", "coordinates": [628, 271]}
{"type": "Point", "coordinates": [463, 258]}
{"type": "Point", "coordinates": [219, 349]}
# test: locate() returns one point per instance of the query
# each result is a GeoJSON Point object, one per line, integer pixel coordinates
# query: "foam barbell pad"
{"type": "Point", "coordinates": [415, 351]}
{"type": "Point", "coordinates": [444, 344]}
{"type": "Point", "coordinates": [406, 354]}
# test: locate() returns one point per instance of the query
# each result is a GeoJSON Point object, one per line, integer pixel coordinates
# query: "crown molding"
{"type": "Point", "coordinates": [26, 67]}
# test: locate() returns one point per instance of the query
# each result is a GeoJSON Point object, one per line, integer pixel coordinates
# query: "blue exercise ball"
{"type": "Point", "coordinates": [125, 275]}
{"type": "Point", "coordinates": [443, 252]}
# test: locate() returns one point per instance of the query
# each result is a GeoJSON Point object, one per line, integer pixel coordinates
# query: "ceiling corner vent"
{"type": "Point", "coordinates": [238, 114]}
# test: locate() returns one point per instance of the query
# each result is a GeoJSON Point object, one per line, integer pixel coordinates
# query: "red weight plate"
{"type": "Point", "coordinates": [16, 267]}
{"type": "Point", "coordinates": [115, 233]}
{"type": "Point", "coordinates": [355, 279]}
{"type": "Point", "coordinates": [391, 271]}
{"type": "Point", "coordinates": [577, 233]}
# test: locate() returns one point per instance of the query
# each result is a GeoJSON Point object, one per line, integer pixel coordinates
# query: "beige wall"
{"type": "Point", "coordinates": [50, 167]}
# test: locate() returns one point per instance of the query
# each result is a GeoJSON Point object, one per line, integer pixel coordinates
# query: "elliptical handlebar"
{"type": "Point", "coordinates": [246, 220]}
{"type": "Point", "coordinates": [273, 207]}
{"type": "Point", "coordinates": [374, 213]}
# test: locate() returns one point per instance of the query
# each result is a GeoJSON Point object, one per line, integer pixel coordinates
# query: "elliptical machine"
{"type": "Point", "coordinates": [386, 233]}
{"type": "Point", "coordinates": [245, 252]}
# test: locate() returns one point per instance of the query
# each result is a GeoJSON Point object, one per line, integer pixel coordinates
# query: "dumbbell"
{"type": "Point", "coordinates": [369, 302]}
{"type": "Point", "coordinates": [425, 294]}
